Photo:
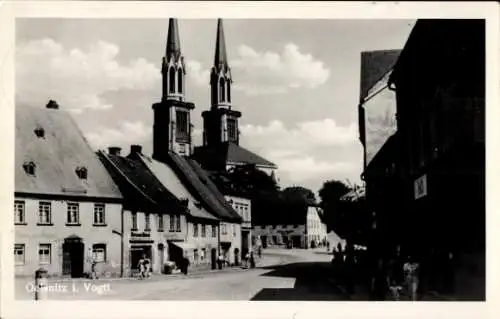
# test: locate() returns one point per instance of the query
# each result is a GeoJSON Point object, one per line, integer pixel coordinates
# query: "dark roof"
{"type": "Point", "coordinates": [200, 187]}
{"type": "Point", "coordinates": [220, 58]}
{"type": "Point", "coordinates": [164, 174]}
{"type": "Point", "coordinates": [230, 153]}
{"type": "Point", "coordinates": [57, 154]}
{"type": "Point", "coordinates": [137, 181]}
{"type": "Point", "coordinates": [374, 65]}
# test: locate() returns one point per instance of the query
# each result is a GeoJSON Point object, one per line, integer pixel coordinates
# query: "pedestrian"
{"type": "Point", "coordinates": [252, 260]}
{"type": "Point", "coordinates": [185, 265]}
{"type": "Point", "coordinates": [141, 266]}
{"type": "Point", "coordinates": [259, 251]}
{"type": "Point", "coordinates": [147, 267]}
{"type": "Point", "coordinates": [220, 261]}
{"type": "Point", "coordinates": [247, 259]}
{"type": "Point", "coordinates": [93, 269]}
{"type": "Point", "coordinates": [327, 246]}
{"type": "Point", "coordinates": [411, 269]}
{"type": "Point", "coordinates": [380, 282]}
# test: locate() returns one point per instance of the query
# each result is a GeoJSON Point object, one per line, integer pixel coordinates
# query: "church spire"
{"type": "Point", "coordinates": [173, 68]}
{"type": "Point", "coordinates": [220, 77]}
{"type": "Point", "coordinates": [173, 42]}
{"type": "Point", "coordinates": [220, 60]}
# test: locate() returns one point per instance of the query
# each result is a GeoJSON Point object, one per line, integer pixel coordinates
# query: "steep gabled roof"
{"type": "Point", "coordinates": [231, 153]}
{"type": "Point", "coordinates": [374, 65]}
{"type": "Point", "coordinates": [212, 199]}
{"type": "Point", "coordinates": [57, 154]}
{"type": "Point", "coordinates": [167, 177]}
{"type": "Point", "coordinates": [140, 184]}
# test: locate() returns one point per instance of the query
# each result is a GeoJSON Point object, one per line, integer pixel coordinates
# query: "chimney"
{"type": "Point", "coordinates": [114, 150]}
{"type": "Point", "coordinates": [135, 149]}
{"type": "Point", "coordinates": [52, 105]}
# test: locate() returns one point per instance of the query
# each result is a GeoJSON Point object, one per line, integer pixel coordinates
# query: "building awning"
{"type": "Point", "coordinates": [184, 245]}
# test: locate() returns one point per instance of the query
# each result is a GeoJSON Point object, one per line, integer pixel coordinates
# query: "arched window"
{"type": "Point", "coordinates": [229, 91]}
{"type": "Point", "coordinates": [179, 81]}
{"type": "Point", "coordinates": [171, 80]}
{"type": "Point", "coordinates": [222, 90]}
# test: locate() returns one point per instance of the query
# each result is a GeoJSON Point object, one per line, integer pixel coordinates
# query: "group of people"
{"type": "Point", "coordinates": [394, 276]}
{"type": "Point", "coordinates": [144, 266]}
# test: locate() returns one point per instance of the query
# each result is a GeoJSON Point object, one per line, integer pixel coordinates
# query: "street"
{"type": "Point", "coordinates": [282, 275]}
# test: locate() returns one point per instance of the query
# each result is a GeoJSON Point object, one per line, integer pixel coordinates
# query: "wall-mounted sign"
{"type": "Point", "coordinates": [420, 187]}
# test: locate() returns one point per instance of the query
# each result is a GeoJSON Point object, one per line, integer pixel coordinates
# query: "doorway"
{"type": "Point", "coordinates": [73, 256]}
{"type": "Point", "coordinates": [236, 257]}
{"type": "Point", "coordinates": [213, 258]}
{"type": "Point", "coordinates": [136, 253]}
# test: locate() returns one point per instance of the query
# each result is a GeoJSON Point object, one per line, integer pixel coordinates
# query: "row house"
{"type": "Point", "coordinates": [67, 209]}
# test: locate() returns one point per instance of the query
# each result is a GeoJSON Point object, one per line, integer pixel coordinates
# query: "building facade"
{"type": "Point", "coordinates": [67, 210]}
{"type": "Point", "coordinates": [429, 172]}
{"type": "Point", "coordinates": [243, 206]}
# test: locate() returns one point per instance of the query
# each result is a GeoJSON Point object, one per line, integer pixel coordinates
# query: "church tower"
{"type": "Point", "coordinates": [172, 116]}
{"type": "Point", "coordinates": [220, 123]}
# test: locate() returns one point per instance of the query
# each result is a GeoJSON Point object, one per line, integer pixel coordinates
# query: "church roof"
{"type": "Point", "coordinates": [52, 141]}
{"type": "Point", "coordinates": [231, 153]}
{"type": "Point", "coordinates": [199, 185]}
{"type": "Point", "coordinates": [220, 58]}
{"type": "Point", "coordinates": [139, 184]}
{"type": "Point", "coordinates": [374, 65]}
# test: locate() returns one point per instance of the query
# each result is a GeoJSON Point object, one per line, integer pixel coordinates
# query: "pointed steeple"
{"type": "Point", "coordinates": [220, 60]}
{"type": "Point", "coordinates": [173, 42]}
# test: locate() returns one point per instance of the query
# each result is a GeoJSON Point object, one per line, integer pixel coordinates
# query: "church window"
{"type": "Point", "coordinates": [231, 129]}
{"type": "Point", "coordinates": [182, 123]}
{"type": "Point", "coordinates": [179, 81]}
{"type": "Point", "coordinates": [222, 90]}
{"type": "Point", "coordinates": [229, 91]}
{"type": "Point", "coordinates": [171, 80]}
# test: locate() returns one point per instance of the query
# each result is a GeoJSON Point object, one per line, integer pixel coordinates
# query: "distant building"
{"type": "Point", "coordinates": [67, 209]}
{"type": "Point", "coordinates": [221, 135]}
{"type": "Point", "coordinates": [306, 229]}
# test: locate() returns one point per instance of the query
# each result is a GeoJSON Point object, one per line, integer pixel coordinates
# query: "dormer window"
{"type": "Point", "coordinates": [81, 172]}
{"type": "Point", "coordinates": [40, 132]}
{"type": "Point", "coordinates": [29, 168]}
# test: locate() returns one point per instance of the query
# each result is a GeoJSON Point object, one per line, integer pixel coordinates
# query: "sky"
{"type": "Point", "coordinates": [296, 82]}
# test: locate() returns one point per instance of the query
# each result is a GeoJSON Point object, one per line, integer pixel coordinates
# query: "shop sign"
{"type": "Point", "coordinates": [420, 187]}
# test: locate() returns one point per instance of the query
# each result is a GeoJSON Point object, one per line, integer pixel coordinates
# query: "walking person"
{"type": "Point", "coordinates": [93, 269]}
{"type": "Point", "coordinates": [147, 268]}
{"type": "Point", "coordinates": [252, 260]}
{"type": "Point", "coordinates": [141, 266]}
{"type": "Point", "coordinates": [185, 265]}
{"type": "Point", "coordinates": [380, 282]}
{"type": "Point", "coordinates": [411, 269]}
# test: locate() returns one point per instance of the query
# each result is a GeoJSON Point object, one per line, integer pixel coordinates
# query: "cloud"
{"type": "Point", "coordinates": [126, 133]}
{"type": "Point", "coordinates": [270, 72]}
{"type": "Point", "coordinates": [298, 150]}
{"type": "Point", "coordinates": [77, 78]}
{"type": "Point", "coordinates": [196, 72]}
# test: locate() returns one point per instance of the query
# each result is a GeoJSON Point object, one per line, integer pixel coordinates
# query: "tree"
{"type": "Point", "coordinates": [299, 193]}
{"type": "Point", "coordinates": [330, 194]}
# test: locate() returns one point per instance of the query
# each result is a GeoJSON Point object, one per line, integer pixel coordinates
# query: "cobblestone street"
{"type": "Point", "coordinates": [280, 275]}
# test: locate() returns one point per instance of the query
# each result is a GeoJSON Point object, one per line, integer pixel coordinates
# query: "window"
{"type": "Point", "coordinates": [223, 229]}
{"type": "Point", "coordinates": [99, 214]}
{"type": "Point", "coordinates": [44, 252]}
{"type": "Point", "coordinates": [171, 80]}
{"type": "Point", "coordinates": [81, 172]}
{"type": "Point", "coordinates": [179, 81]}
{"type": "Point", "coordinates": [214, 231]}
{"type": "Point", "coordinates": [147, 222]}
{"type": "Point", "coordinates": [44, 213]}
{"type": "Point", "coordinates": [203, 254]}
{"type": "Point", "coordinates": [203, 231]}
{"type": "Point", "coordinates": [29, 168]}
{"type": "Point", "coordinates": [231, 129]}
{"type": "Point", "coordinates": [195, 231]}
{"type": "Point", "coordinates": [181, 120]}
{"type": "Point", "coordinates": [160, 222]}
{"type": "Point", "coordinates": [19, 254]}
{"type": "Point", "coordinates": [222, 91]}
{"type": "Point", "coordinates": [99, 252]}
{"type": "Point", "coordinates": [134, 221]}
{"type": "Point", "coordinates": [19, 216]}
{"type": "Point", "coordinates": [178, 223]}
{"type": "Point", "coordinates": [172, 223]}
{"type": "Point", "coordinates": [229, 91]}
{"type": "Point", "coordinates": [196, 255]}
{"type": "Point", "coordinates": [73, 214]}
